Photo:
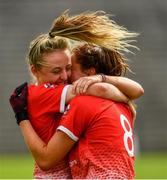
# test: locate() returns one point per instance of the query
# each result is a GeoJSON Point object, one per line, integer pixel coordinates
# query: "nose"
{"type": "Point", "coordinates": [64, 75]}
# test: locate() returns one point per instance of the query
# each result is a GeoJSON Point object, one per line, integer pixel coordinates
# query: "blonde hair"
{"type": "Point", "coordinates": [44, 44]}
{"type": "Point", "coordinates": [94, 27]}
{"type": "Point", "coordinates": [41, 45]}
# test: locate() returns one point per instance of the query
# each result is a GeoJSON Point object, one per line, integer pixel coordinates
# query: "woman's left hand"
{"type": "Point", "coordinates": [18, 102]}
{"type": "Point", "coordinates": [81, 85]}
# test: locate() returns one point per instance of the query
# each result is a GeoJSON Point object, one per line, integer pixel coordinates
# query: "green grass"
{"type": "Point", "coordinates": [16, 166]}
{"type": "Point", "coordinates": [151, 166]}
{"type": "Point", "coordinates": [148, 166]}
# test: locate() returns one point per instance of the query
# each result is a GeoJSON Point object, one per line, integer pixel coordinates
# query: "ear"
{"type": "Point", "coordinates": [90, 71]}
{"type": "Point", "coordinates": [33, 70]}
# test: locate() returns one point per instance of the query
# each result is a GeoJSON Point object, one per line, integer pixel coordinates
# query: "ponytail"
{"type": "Point", "coordinates": [95, 28]}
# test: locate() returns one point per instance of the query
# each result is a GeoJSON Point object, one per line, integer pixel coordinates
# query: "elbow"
{"type": "Point", "coordinates": [136, 94]}
{"type": "Point", "coordinates": [140, 93]}
{"type": "Point", "coordinates": [46, 165]}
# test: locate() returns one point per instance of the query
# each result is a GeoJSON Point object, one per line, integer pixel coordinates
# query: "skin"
{"type": "Point", "coordinates": [59, 69]}
{"type": "Point", "coordinates": [46, 155]}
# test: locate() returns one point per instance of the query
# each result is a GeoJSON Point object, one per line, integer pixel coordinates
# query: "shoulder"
{"type": "Point", "coordinates": [44, 86]}
{"type": "Point", "coordinates": [46, 89]}
{"type": "Point", "coordinates": [84, 101]}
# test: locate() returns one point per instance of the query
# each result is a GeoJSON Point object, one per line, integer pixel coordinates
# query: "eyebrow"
{"type": "Point", "coordinates": [68, 65]}
{"type": "Point", "coordinates": [56, 68]}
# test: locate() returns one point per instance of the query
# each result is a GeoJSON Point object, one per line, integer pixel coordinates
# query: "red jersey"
{"type": "Point", "coordinates": [105, 148]}
{"type": "Point", "coordinates": [46, 103]}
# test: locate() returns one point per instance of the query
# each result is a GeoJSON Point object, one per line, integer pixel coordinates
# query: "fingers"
{"type": "Point", "coordinates": [86, 85]}
{"type": "Point", "coordinates": [19, 94]}
{"type": "Point", "coordinates": [25, 91]}
{"type": "Point", "coordinates": [80, 86]}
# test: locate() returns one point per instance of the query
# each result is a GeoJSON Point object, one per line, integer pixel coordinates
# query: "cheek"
{"type": "Point", "coordinates": [74, 76]}
{"type": "Point", "coordinates": [69, 73]}
{"type": "Point", "coordinates": [50, 78]}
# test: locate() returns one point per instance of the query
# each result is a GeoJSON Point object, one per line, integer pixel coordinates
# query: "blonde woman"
{"type": "Point", "coordinates": [45, 60]}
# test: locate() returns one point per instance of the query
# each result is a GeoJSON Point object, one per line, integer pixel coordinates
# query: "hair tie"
{"type": "Point", "coordinates": [51, 35]}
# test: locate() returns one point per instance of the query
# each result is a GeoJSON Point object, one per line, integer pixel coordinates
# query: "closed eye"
{"type": "Point", "coordinates": [56, 70]}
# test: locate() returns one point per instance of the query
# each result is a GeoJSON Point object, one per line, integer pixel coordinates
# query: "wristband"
{"type": "Point", "coordinates": [103, 77]}
{"type": "Point", "coordinates": [21, 116]}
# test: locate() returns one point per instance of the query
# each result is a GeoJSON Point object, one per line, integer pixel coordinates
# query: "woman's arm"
{"type": "Point", "coordinates": [128, 87]}
{"type": "Point", "coordinates": [46, 155]}
{"type": "Point", "coordinates": [103, 90]}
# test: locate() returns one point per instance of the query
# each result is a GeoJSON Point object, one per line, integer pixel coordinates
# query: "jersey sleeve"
{"type": "Point", "coordinates": [75, 119]}
{"type": "Point", "coordinates": [48, 97]}
{"type": "Point", "coordinates": [63, 99]}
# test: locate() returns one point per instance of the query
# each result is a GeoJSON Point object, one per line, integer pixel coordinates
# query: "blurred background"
{"type": "Point", "coordinates": [22, 20]}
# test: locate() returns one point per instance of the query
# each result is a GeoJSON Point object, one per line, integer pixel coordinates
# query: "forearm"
{"type": "Point", "coordinates": [130, 88]}
{"type": "Point", "coordinates": [127, 86]}
{"type": "Point", "coordinates": [107, 91]}
{"type": "Point", "coordinates": [34, 143]}
{"type": "Point", "coordinates": [46, 155]}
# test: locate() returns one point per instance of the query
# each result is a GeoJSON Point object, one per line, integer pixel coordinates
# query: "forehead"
{"type": "Point", "coordinates": [57, 57]}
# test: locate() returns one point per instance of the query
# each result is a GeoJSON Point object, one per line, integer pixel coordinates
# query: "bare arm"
{"type": "Point", "coordinates": [46, 155]}
{"type": "Point", "coordinates": [128, 87]}
{"type": "Point", "coordinates": [103, 90]}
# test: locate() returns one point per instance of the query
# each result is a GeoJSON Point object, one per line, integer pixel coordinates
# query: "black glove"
{"type": "Point", "coordinates": [18, 101]}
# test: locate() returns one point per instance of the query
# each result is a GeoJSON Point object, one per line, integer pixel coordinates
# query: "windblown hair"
{"type": "Point", "coordinates": [94, 27]}
{"type": "Point", "coordinates": [103, 60]}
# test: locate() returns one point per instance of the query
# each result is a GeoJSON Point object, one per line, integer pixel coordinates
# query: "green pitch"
{"type": "Point", "coordinates": [148, 166]}
{"type": "Point", "coordinates": [151, 166]}
{"type": "Point", "coordinates": [16, 166]}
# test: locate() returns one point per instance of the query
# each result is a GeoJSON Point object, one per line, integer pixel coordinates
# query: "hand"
{"type": "Point", "coordinates": [18, 101]}
{"type": "Point", "coordinates": [81, 85]}
{"type": "Point", "coordinates": [132, 106]}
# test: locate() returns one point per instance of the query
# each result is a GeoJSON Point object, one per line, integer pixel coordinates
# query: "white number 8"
{"type": "Point", "coordinates": [127, 134]}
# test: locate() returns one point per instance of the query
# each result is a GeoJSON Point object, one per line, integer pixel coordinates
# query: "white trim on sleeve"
{"type": "Point", "coordinates": [63, 98]}
{"type": "Point", "coordinates": [68, 132]}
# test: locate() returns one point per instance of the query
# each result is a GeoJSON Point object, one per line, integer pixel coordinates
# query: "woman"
{"type": "Point", "coordinates": [44, 62]}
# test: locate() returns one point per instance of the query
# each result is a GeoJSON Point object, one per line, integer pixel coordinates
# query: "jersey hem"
{"type": "Point", "coordinates": [68, 132]}
{"type": "Point", "coordinates": [63, 99]}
